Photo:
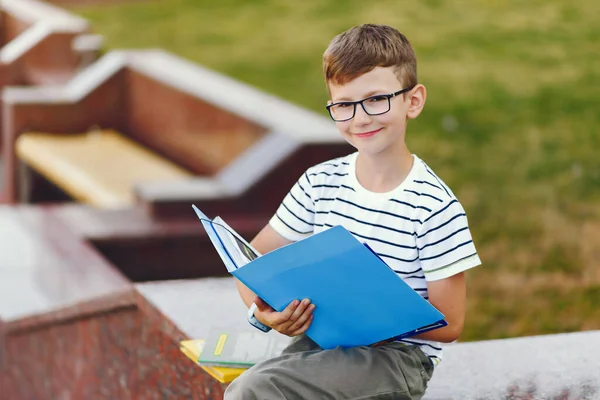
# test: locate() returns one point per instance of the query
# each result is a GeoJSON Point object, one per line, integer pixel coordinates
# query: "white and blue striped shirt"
{"type": "Point", "coordinates": [419, 228]}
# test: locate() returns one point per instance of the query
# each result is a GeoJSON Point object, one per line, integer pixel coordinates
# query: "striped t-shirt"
{"type": "Point", "coordinates": [419, 228]}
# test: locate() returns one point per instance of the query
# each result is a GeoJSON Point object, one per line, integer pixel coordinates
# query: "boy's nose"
{"type": "Point", "coordinates": [360, 116]}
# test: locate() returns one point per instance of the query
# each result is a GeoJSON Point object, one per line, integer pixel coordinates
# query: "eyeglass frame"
{"type": "Point", "coordinates": [355, 103]}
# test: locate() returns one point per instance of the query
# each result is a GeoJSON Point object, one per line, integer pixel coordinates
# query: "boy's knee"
{"type": "Point", "coordinates": [251, 385]}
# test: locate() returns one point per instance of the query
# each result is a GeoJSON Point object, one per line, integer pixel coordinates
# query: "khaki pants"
{"type": "Point", "coordinates": [305, 371]}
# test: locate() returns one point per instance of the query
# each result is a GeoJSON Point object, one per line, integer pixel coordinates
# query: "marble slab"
{"type": "Point", "coordinates": [44, 267]}
{"type": "Point", "coordinates": [562, 366]}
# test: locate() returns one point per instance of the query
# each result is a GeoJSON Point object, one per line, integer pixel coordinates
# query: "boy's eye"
{"type": "Point", "coordinates": [343, 105]}
{"type": "Point", "coordinates": [376, 99]}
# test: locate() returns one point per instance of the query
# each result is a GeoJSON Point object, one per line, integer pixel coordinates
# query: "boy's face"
{"type": "Point", "coordinates": [373, 134]}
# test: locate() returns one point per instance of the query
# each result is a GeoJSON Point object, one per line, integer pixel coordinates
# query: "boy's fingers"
{"type": "Point", "coordinates": [289, 319]}
{"type": "Point", "coordinates": [261, 304]}
{"type": "Point", "coordinates": [280, 319]}
{"type": "Point", "coordinates": [304, 327]}
{"type": "Point", "coordinates": [299, 310]}
{"type": "Point", "coordinates": [289, 310]}
{"type": "Point", "coordinates": [300, 321]}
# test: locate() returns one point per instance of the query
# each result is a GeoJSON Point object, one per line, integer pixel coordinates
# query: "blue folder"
{"type": "Point", "coordinates": [359, 299]}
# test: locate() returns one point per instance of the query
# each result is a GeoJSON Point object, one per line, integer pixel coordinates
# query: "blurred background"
{"type": "Point", "coordinates": [100, 281]}
{"type": "Point", "coordinates": [511, 123]}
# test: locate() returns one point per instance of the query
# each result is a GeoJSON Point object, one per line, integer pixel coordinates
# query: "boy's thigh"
{"type": "Point", "coordinates": [384, 372]}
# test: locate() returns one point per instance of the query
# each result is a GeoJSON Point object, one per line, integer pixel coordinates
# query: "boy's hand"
{"type": "Point", "coordinates": [292, 321]}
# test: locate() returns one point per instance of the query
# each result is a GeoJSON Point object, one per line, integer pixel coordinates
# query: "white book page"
{"type": "Point", "coordinates": [239, 249]}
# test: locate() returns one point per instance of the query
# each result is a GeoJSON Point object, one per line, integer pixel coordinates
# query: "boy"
{"type": "Point", "coordinates": [386, 197]}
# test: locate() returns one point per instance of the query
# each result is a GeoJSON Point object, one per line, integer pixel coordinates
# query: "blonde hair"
{"type": "Point", "coordinates": [365, 47]}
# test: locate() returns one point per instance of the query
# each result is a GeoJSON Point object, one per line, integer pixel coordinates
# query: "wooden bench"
{"type": "Point", "coordinates": [98, 168]}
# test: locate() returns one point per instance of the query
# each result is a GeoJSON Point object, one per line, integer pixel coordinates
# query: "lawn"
{"type": "Point", "coordinates": [511, 123]}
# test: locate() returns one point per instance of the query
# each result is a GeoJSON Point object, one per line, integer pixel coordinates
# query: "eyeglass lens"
{"type": "Point", "coordinates": [373, 106]}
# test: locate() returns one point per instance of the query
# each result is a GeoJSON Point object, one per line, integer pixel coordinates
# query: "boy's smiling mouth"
{"type": "Point", "coordinates": [367, 134]}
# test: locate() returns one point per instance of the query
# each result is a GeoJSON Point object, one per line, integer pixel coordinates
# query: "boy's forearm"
{"type": "Point", "coordinates": [448, 295]}
{"type": "Point", "coordinates": [446, 334]}
{"type": "Point", "coordinates": [266, 241]}
{"type": "Point", "coordinates": [246, 294]}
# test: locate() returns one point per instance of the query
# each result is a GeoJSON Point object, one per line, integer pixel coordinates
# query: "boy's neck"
{"type": "Point", "coordinates": [384, 171]}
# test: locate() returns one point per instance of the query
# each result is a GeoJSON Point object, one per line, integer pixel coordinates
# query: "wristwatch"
{"type": "Point", "coordinates": [254, 322]}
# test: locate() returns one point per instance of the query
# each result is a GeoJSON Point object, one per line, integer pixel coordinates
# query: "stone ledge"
{"type": "Point", "coordinates": [117, 347]}
{"type": "Point", "coordinates": [43, 20]}
{"type": "Point", "coordinates": [541, 367]}
{"type": "Point", "coordinates": [44, 266]}
{"type": "Point", "coordinates": [545, 366]}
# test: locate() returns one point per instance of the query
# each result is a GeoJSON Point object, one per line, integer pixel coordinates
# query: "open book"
{"type": "Point", "coordinates": [193, 348]}
{"type": "Point", "coordinates": [225, 353]}
{"type": "Point", "coordinates": [237, 348]}
{"type": "Point", "coordinates": [359, 299]}
{"type": "Point", "coordinates": [233, 249]}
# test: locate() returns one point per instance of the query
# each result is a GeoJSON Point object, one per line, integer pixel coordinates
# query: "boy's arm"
{"type": "Point", "coordinates": [295, 319]}
{"type": "Point", "coordinates": [446, 250]}
{"type": "Point", "coordinates": [266, 241]}
{"type": "Point", "coordinates": [449, 296]}
{"type": "Point", "coordinates": [293, 218]}
{"type": "Point", "coordinates": [292, 221]}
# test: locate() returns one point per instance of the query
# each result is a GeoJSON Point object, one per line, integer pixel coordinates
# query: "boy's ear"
{"type": "Point", "coordinates": [416, 97]}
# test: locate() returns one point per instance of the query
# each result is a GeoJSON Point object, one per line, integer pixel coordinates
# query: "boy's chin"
{"type": "Point", "coordinates": [370, 149]}
{"type": "Point", "coordinates": [374, 148]}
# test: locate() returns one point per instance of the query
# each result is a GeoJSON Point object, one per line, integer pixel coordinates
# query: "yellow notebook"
{"type": "Point", "coordinates": [193, 348]}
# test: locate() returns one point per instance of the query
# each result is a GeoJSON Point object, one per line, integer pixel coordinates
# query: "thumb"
{"type": "Point", "coordinates": [261, 304]}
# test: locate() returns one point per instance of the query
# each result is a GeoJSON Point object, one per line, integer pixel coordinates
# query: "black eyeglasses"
{"type": "Point", "coordinates": [373, 105]}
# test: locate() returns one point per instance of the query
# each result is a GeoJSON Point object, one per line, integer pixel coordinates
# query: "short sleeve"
{"type": "Point", "coordinates": [294, 219]}
{"type": "Point", "coordinates": [445, 243]}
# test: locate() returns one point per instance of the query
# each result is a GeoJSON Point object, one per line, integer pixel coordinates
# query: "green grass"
{"type": "Point", "coordinates": [511, 123]}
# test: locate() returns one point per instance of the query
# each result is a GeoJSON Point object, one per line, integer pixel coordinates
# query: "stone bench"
{"type": "Point", "coordinates": [126, 345]}
{"type": "Point", "coordinates": [44, 266]}
{"type": "Point", "coordinates": [41, 44]}
{"type": "Point", "coordinates": [71, 322]}
{"type": "Point", "coordinates": [560, 366]}
{"type": "Point", "coordinates": [539, 367]}
{"type": "Point", "coordinates": [127, 240]}
{"type": "Point", "coordinates": [118, 346]}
